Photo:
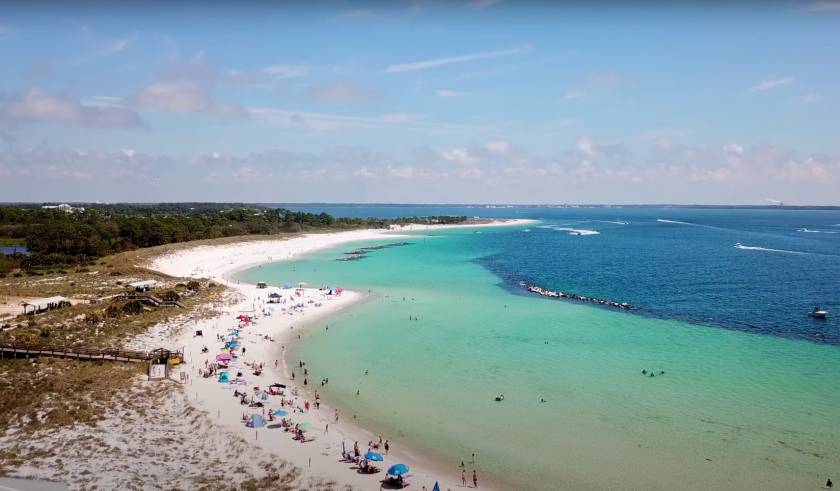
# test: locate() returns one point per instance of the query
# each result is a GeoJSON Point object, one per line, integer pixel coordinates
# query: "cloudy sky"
{"type": "Point", "coordinates": [477, 101]}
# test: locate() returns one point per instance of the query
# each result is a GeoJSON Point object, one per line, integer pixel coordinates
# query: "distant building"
{"type": "Point", "coordinates": [63, 207]}
{"type": "Point", "coordinates": [39, 305]}
{"type": "Point", "coordinates": [143, 286]}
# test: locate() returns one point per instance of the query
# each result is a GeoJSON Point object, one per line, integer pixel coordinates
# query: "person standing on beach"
{"type": "Point", "coordinates": [387, 447]}
{"type": "Point", "coordinates": [475, 479]}
{"type": "Point", "coordinates": [336, 416]}
{"type": "Point", "coordinates": [464, 477]}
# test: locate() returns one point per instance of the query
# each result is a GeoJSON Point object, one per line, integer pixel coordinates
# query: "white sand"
{"type": "Point", "coordinates": [319, 458]}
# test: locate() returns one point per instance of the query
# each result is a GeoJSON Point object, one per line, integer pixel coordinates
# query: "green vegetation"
{"type": "Point", "coordinates": [56, 238]}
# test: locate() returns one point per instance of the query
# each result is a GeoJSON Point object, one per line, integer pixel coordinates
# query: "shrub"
{"type": "Point", "coordinates": [93, 318]}
{"type": "Point", "coordinates": [171, 296]}
{"type": "Point", "coordinates": [45, 333]}
{"type": "Point", "coordinates": [83, 270]}
{"type": "Point", "coordinates": [115, 273]}
{"type": "Point", "coordinates": [112, 311]}
{"type": "Point", "coordinates": [132, 307]}
{"type": "Point", "coordinates": [193, 285]}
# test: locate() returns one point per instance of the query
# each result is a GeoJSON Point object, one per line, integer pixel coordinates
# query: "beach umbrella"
{"type": "Point", "coordinates": [280, 413]}
{"type": "Point", "coordinates": [437, 487]}
{"type": "Point", "coordinates": [375, 456]}
{"type": "Point", "coordinates": [398, 470]}
{"type": "Point", "coordinates": [304, 426]}
{"type": "Point", "coordinates": [223, 356]}
{"type": "Point", "coordinates": [256, 421]}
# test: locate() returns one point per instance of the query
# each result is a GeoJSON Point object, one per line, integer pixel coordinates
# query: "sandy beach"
{"type": "Point", "coordinates": [264, 341]}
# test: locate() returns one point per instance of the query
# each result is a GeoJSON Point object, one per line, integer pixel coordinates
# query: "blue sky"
{"type": "Point", "coordinates": [472, 101]}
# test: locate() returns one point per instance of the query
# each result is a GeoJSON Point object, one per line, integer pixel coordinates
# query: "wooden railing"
{"type": "Point", "coordinates": [72, 352]}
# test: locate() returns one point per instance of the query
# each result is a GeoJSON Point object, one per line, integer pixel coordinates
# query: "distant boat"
{"type": "Point", "coordinates": [739, 245]}
{"type": "Point", "coordinates": [818, 313]}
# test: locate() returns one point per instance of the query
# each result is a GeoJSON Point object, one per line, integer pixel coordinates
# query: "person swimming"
{"type": "Point", "coordinates": [500, 398]}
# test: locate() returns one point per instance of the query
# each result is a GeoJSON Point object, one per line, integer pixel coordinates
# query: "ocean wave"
{"type": "Point", "coordinates": [767, 249]}
{"type": "Point", "coordinates": [677, 222]}
{"type": "Point", "coordinates": [807, 230]}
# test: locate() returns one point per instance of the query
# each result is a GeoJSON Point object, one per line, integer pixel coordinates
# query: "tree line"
{"type": "Point", "coordinates": [55, 237]}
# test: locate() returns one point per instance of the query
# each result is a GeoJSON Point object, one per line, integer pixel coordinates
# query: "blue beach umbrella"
{"type": "Point", "coordinates": [375, 456]}
{"type": "Point", "coordinates": [257, 421]}
{"type": "Point", "coordinates": [398, 470]}
{"type": "Point", "coordinates": [280, 413]}
{"type": "Point", "coordinates": [437, 487]}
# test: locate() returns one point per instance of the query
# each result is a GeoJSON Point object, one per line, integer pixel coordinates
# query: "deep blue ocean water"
{"type": "Point", "coordinates": [677, 263]}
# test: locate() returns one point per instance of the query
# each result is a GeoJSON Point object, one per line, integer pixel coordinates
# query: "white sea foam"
{"type": "Point", "coordinates": [576, 231]}
{"type": "Point", "coordinates": [807, 230]}
{"type": "Point", "coordinates": [767, 249]}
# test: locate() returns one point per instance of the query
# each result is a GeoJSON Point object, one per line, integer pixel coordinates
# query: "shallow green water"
{"type": "Point", "coordinates": [733, 410]}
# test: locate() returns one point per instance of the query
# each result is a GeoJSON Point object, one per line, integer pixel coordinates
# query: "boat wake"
{"type": "Point", "coordinates": [572, 231]}
{"type": "Point", "coordinates": [807, 230]}
{"type": "Point", "coordinates": [677, 222]}
{"type": "Point", "coordinates": [617, 222]}
{"type": "Point", "coordinates": [766, 249]}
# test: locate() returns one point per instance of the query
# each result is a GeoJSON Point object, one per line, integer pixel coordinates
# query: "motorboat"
{"type": "Point", "coordinates": [818, 313]}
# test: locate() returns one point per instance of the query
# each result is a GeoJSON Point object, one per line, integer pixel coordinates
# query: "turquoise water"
{"type": "Point", "coordinates": [734, 410]}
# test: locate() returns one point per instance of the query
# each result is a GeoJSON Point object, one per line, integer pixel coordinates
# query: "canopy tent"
{"type": "Point", "coordinates": [256, 421]}
{"type": "Point", "coordinates": [274, 295]}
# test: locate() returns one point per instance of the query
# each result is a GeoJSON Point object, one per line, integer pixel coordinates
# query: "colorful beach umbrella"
{"type": "Point", "coordinates": [398, 469]}
{"type": "Point", "coordinates": [223, 356]}
{"type": "Point", "coordinates": [375, 456]}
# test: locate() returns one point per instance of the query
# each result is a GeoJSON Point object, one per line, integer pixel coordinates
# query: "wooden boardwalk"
{"type": "Point", "coordinates": [75, 353]}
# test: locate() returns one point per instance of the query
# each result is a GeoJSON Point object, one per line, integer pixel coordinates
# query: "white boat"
{"type": "Point", "coordinates": [818, 313]}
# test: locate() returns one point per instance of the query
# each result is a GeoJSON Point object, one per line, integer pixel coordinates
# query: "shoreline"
{"type": "Point", "coordinates": [320, 458]}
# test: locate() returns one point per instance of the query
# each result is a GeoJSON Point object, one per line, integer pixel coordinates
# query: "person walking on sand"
{"type": "Point", "coordinates": [336, 416]}
{"type": "Point", "coordinates": [387, 447]}
{"type": "Point", "coordinates": [464, 477]}
{"type": "Point", "coordinates": [475, 479]}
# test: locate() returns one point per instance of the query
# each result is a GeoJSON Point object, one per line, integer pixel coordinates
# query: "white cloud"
{"type": "Point", "coordinates": [184, 97]}
{"type": "Point", "coordinates": [343, 93]}
{"type": "Point", "coordinates": [448, 93]}
{"type": "Point", "coordinates": [425, 64]}
{"type": "Point", "coordinates": [6, 32]}
{"type": "Point", "coordinates": [284, 71]}
{"type": "Point", "coordinates": [117, 46]}
{"type": "Point", "coordinates": [498, 146]}
{"type": "Point", "coordinates": [37, 105]}
{"type": "Point", "coordinates": [811, 97]}
{"type": "Point", "coordinates": [459, 155]}
{"type": "Point", "coordinates": [585, 146]}
{"type": "Point", "coordinates": [483, 4]}
{"type": "Point", "coordinates": [825, 6]}
{"type": "Point", "coordinates": [771, 84]}
{"type": "Point", "coordinates": [318, 121]}
{"type": "Point", "coordinates": [574, 94]}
